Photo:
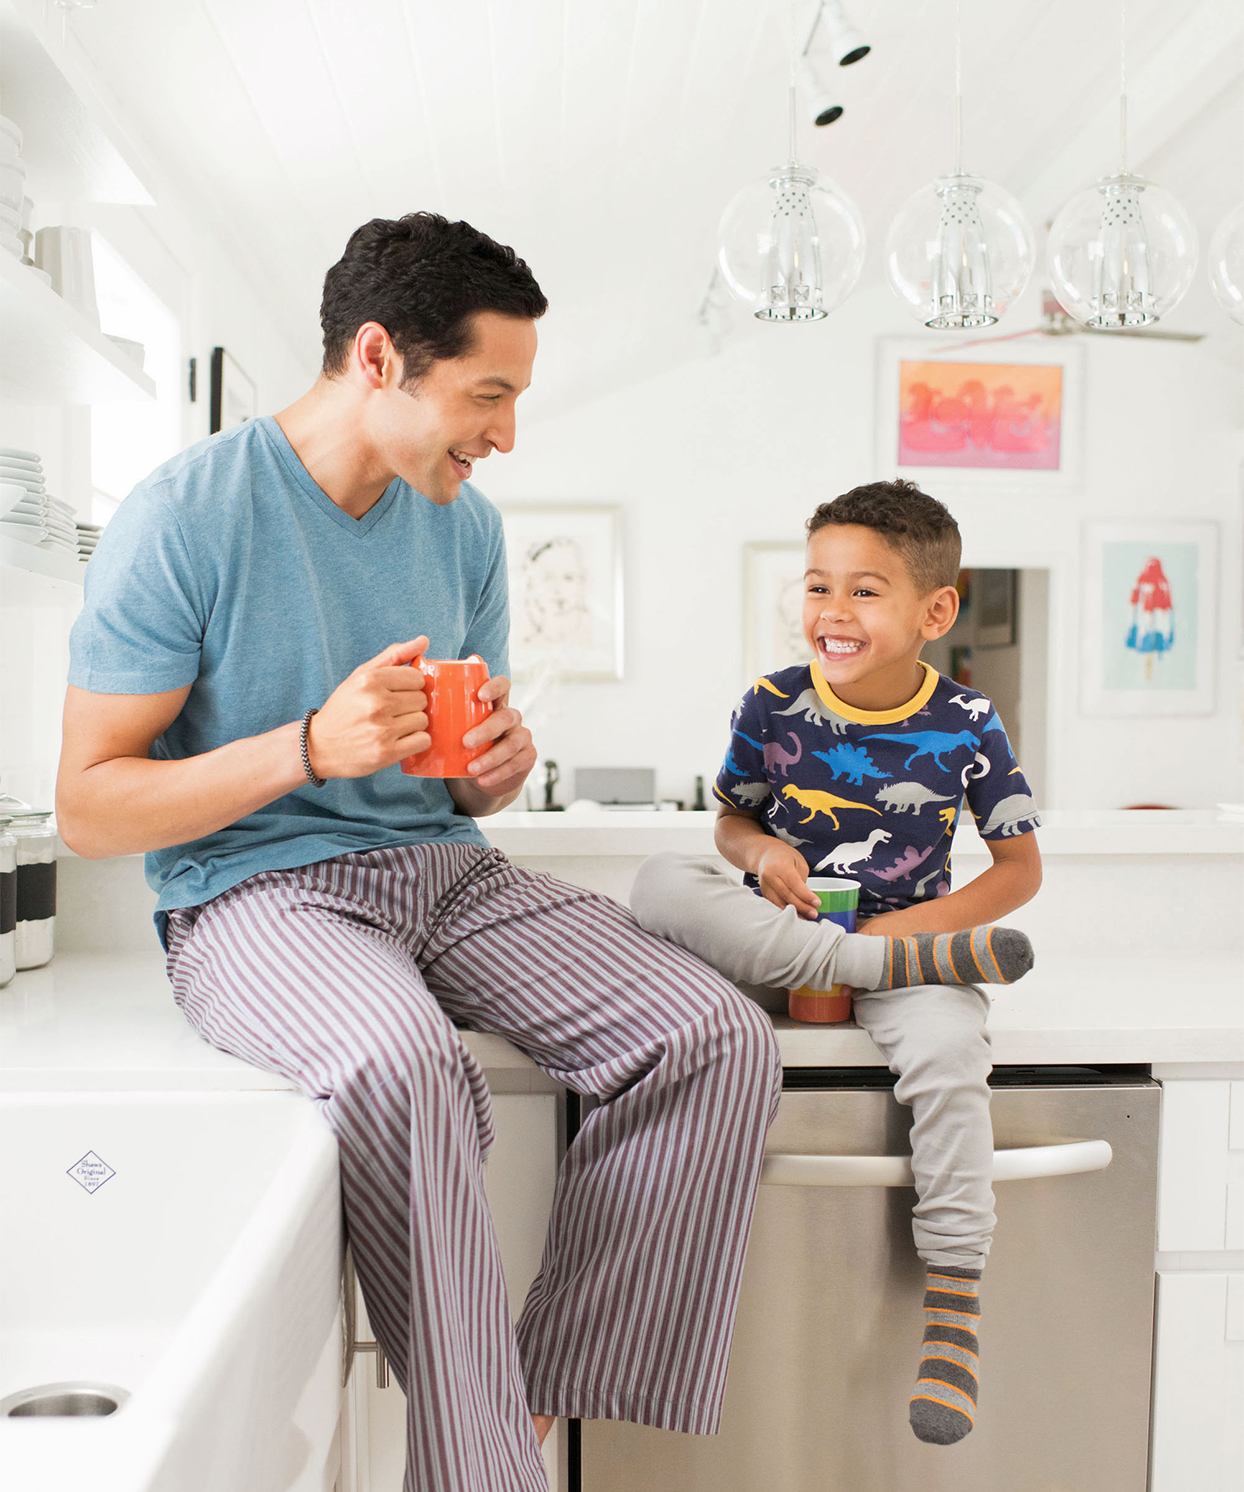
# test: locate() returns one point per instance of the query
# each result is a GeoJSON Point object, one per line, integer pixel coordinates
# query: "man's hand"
{"type": "Point", "coordinates": [783, 875]}
{"type": "Point", "coordinates": [376, 716]}
{"type": "Point", "coordinates": [501, 771]}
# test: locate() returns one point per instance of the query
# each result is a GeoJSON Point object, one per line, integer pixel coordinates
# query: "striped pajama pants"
{"type": "Point", "coordinates": [345, 977]}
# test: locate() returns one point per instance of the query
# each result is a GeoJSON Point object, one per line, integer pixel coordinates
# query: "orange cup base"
{"type": "Point", "coordinates": [820, 1007]}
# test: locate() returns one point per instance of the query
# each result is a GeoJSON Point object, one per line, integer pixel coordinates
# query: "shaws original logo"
{"type": "Point", "coordinates": [91, 1172]}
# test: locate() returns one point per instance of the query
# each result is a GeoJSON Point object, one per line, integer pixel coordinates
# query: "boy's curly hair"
{"type": "Point", "coordinates": [422, 278]}
{"type": "Point", "coordinates": [919, 527]}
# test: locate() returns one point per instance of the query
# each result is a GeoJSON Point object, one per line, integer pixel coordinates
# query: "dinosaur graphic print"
{"type": "Point", "coordinates": [817, 802]}
{"type": "Point", "coordinates": [814, 712]}
{"type": "Point", "coordinates": [778, 759]}
{"type": "Point", "coordinates": [975, 707]}
{"type": "Point", "coordinates": [904, 865]}
{"type": "Point", "coordinates": [851, 762]}
{"type": "Point", "coordinates": [873, 795]}
{"type": "Point", "coordinates": [1007, 816]}
{"type": "Point", "coordinates": [902, 796]}
{"type": "Point", "coordinates": [934, 743]}
{"type": "Point", "coordinates": [843, 858]}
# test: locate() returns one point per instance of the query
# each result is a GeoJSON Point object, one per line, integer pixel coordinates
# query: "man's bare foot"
{"type": "Point", "coordinates": [543, 1423]}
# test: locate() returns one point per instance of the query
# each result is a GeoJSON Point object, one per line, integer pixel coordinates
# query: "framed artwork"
{"type": "Point", "coordinates": [565, 568]}
{"type": "Point", "coordinates": [773, 608]}
{"type": "Point", "coordinates": [1149, 618]}
{"type": "Point", "coordinates": [1005, 414]}
{"type": "Point", "coordinates": [235, 399]}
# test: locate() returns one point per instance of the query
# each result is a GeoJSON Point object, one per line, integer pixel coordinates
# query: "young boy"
{"type": "Point", "coordinates": [857, 766]}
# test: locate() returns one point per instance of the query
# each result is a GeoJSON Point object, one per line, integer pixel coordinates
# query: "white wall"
{"type": "Point", "coordinates": [742, 446]}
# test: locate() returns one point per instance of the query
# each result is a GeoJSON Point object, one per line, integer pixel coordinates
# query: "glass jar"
{"type": "Point", "coordinates": [8, 903]}
{"type": "Point", "coordinates": [35, 834]}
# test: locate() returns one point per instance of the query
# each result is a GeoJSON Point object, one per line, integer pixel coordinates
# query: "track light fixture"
{"type": "Point", "coordinates": [843, 41]}
{"type": "Point", "coordinates": [822, 100]}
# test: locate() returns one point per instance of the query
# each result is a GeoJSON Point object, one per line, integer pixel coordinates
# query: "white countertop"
{"type": "Point", "coordinates": [108, 1021]}
{"type": "Point", "coordinates": [1064, 832]}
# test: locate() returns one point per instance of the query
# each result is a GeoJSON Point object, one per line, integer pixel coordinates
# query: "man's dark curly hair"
{"type": "Point", "coordinates": [422, 278]}
{"type": "Point", "coordinates": [919, 527]}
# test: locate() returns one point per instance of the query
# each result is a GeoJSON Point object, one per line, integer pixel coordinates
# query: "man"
{"type": "Point", "coordinates": [239, 700]}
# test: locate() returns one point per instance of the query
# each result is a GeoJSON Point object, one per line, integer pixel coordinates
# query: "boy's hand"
{"type": "Point", "coordinates": [783, 875]}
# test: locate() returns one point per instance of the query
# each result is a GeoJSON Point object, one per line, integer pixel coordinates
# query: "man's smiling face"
{"type": "Point", "coordinates": [459, 411]}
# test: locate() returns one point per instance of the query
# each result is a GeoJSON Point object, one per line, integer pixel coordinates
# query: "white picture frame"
{"type": "Point", "coordinates": [773, 576]}
{"type": "Point", "coordinates": [973, 465]}
{"type": "Point", "coordinates": [566, 591]}
{"type": "Point", "coordinates": [1174, 675]}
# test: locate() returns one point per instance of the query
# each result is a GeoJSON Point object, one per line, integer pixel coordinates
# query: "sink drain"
{"type": "Point", "coordinates": [79, 1398]}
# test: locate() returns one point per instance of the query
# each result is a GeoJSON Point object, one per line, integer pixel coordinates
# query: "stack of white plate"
{"type": "Point", "coordinates": [12, 187]}
{"type": "Point", "coordinates": [28, 512]}
{"type": "Point", "coordinates": [88, 537]}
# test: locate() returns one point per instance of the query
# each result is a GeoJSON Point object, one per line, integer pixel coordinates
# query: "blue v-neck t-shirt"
{"type": "Point", "coordinates": [229, 570]}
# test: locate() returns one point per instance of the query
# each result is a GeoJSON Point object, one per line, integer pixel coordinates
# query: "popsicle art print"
{"type": "Point", "coordinates": [1004, 416]}
{"type": "Point", "coordinates": [1150, 622]}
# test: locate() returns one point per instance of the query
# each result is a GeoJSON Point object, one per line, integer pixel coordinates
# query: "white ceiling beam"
{"type": "Point", "coordinates": [1200, 58]}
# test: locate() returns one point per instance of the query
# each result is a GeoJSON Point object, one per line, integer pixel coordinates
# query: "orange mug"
{"type": "Point", "coordinates": [454, 707]}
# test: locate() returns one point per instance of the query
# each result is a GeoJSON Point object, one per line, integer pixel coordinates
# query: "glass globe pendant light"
{"type": "Point", "coordinates": [961, 250]}
{"type": "Point", "coordinates": [1226, 264]}
{"type": "Point", "coordinates": [1122, 253]}
{"type": "Point", "coordinates": [791, 245]}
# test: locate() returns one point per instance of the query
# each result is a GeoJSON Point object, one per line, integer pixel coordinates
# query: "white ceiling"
{"type": "Point", "coordinates": [602, 138]}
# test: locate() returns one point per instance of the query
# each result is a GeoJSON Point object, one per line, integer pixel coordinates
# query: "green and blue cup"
{"type": "Point", "coordinates": [839, 899]}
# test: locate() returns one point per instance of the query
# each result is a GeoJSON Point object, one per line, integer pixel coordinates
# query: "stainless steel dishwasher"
{"type": "Point", "coordinates": [830, 1324]}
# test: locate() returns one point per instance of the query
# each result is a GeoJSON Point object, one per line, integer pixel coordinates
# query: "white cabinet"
{"type": "Point", "coordinates": [1198, 1383]}
{"type": "Point", "coordinates": [519, 1177]}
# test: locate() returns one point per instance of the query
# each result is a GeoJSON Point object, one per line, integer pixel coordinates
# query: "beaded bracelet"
{"type": "Point", "coordinates": [302, 747]}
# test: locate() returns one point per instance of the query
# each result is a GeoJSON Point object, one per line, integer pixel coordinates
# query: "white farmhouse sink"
{"type": "Point", "coordinates": [200, 1273]}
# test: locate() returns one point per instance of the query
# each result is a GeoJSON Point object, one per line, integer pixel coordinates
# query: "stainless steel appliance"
{"type": "Point", "coordinates": [830, 1323]}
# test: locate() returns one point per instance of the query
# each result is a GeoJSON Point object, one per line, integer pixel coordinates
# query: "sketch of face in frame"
{"type": "Point", "coordinates": [555, 595]}
{"type": "Point", "coordinates": [789, 644]}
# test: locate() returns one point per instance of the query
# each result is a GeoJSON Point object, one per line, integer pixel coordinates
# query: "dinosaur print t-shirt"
{"type": "Point", "coordinates": [873, 794]}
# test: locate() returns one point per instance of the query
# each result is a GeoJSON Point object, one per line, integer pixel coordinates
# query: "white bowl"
{"type": "Point", "coordinates": [10, 495]}
{"type": "Point", "coordinates": [15, 453]}
{"type": "Point", "coordinates": [28, 463]}
{"type": "Point", "coordinates": [13, 186]}
{"type": "Point", "coordinates": [10, 131]}
{"type": "Point", "coordinates": [21, 531]}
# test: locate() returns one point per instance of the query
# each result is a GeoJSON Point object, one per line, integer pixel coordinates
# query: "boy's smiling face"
{"type": "Point", "coordinates": [865, 619]}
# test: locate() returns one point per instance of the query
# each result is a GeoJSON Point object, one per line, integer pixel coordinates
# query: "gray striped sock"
{"type": "Point", "coordinates": [943, 1406]}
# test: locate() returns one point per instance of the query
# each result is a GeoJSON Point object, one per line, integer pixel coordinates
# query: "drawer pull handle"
{"type": "Point", "coordinates": [1069, 1158]}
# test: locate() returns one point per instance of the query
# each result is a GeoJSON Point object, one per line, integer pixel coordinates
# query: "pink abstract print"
{"type": "Point", "coordinates": [1002, 415]}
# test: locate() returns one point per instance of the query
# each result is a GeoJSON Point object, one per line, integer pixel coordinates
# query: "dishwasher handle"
{"type": "Point", "coordinates": [1068, 1158]}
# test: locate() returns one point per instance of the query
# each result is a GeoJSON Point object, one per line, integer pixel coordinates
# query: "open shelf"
{"type": "Point", "coordinates": [73, 143]}
{"type": "Point", "coordinates": [18, 556]}
{"type": "Point", "coordinates": [50, 352]}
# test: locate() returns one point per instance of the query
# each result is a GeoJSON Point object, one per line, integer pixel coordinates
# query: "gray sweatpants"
{"type": "Point", "coordinates": [932, 1036]}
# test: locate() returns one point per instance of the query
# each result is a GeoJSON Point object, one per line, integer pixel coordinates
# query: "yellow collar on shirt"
{"type": "Point", "coordinates": [875, 717]}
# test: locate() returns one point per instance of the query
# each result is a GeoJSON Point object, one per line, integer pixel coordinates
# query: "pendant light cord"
{"type": "Point", "coordinates": [958, 88]}
{"type": "Point", "coordinates": [1122, 87]}
{"type": "Point", "coordinates": [792, 51]}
